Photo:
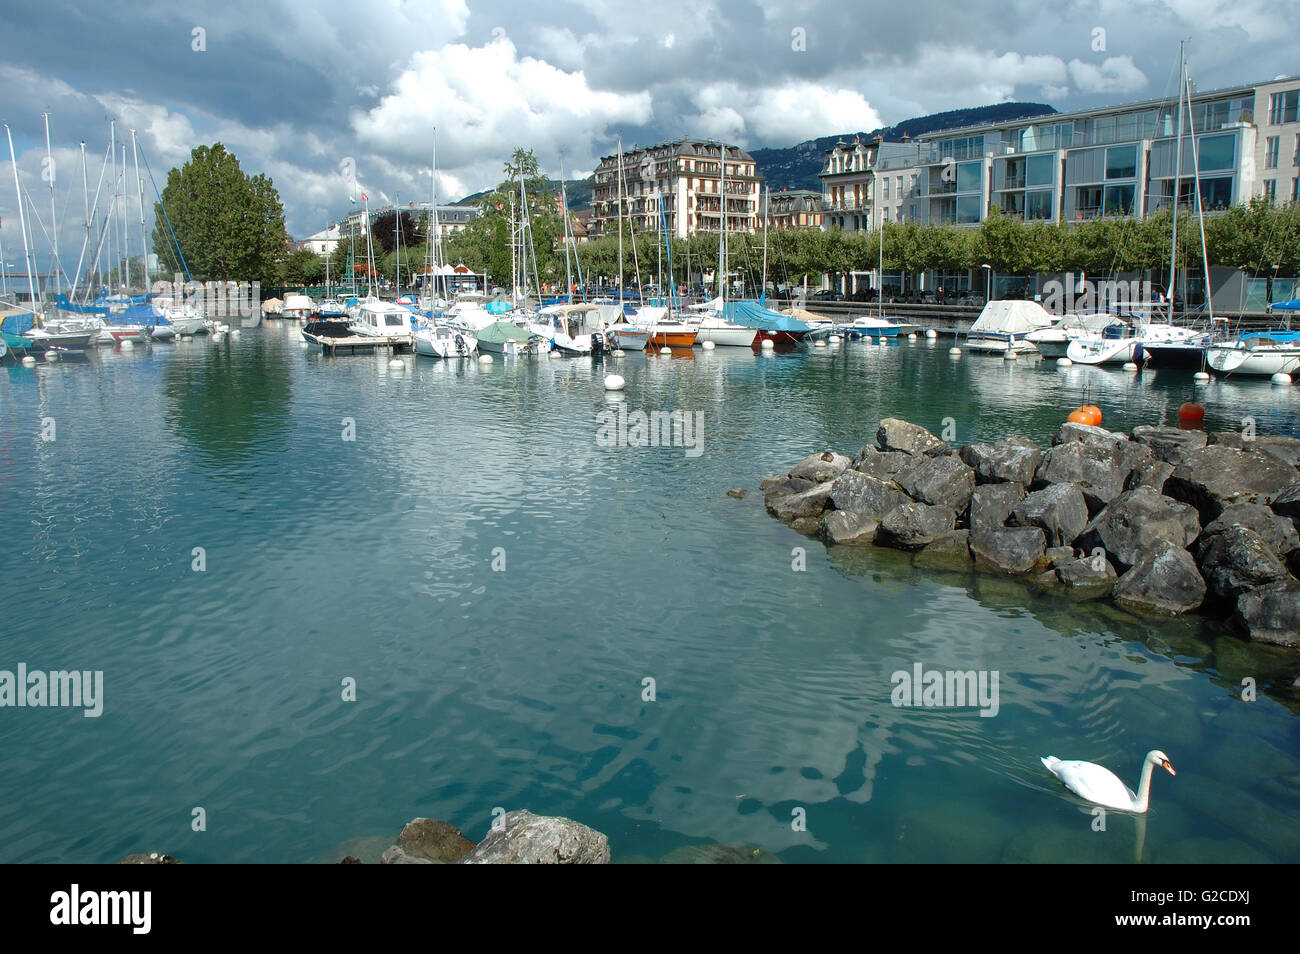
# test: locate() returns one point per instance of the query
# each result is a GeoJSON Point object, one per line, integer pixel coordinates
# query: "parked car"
{"type": "Point", "coordinates": [826, 294]}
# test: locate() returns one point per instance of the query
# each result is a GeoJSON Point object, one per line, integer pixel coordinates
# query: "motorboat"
{"type": "Point", "coordinates": [443, 341]}
{"type": "Point", "coordinates": [507, 338]}
{"type": "Point", "coordinates": [1256, 355]}
{"type": "Point", "coordinates": [1005, 325]}
{"type": "Point", "coordinates": [1053, 342]}
{"type": "Point", "coordinates": [298, 307]}
{"type": "Point", "coordinates": [382, 319]}
{"type": "Point", "coordinates": [576, 329]}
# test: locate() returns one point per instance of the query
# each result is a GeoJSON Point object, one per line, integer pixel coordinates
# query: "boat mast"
{"type": "Point", "coordinates": [112, 208]}
{"type": "Point", "coordinates": [620, 221]}
{"type": "Point", "coordinates": [54, 225]}
{"type": "Point", "coordinates": [880, 271]}
{"type": "Point", "coordinates": [564, 205]}
{"type": "Point", "coordinates": [1196, 190]}
{"type": "Point", "coordinates": [126, 242]}
{"type": "Point", "coordinates": [1178, 176]}
{"type": "Point", "coordinates": [767, 200]}
{"type": "Point", "coordinates": [434, 237]}
{"type": "Point", "coordinates": [139, 184]}
{"type": "Point", "coordinates": [722, 226]}
{"type": "Point", "coordinates": [22, 220]}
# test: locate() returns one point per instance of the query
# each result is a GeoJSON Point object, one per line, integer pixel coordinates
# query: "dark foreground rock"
{"type": "Point", "coordinates": [528, 839]}
{"type": "Point", "coordinates": [991, 505]}
{"type": "Point", "coordinates": [897, 435]}
{"type": "Point", "coordinates": [1164, 581]}
{"type": "Point", "coordinates": [911, 526]}
{"type": "Point", "coordinates": [1014, 460]}
{"type": "Point", "coordinates": [1009, 549]}
{"type": "Point", "coordinates": [1272, 614]}
{"type": "Point", "coordinates": [1059, 510]}
{"type": "Point", "coordinates": [820, 468]}
{"type": "Point", "coordinates": [1169, 443]}
{"type": "Point", "coordinates": [1135, 522]}
{"type": "Point", "coordinates": [438, 841]}
{"type": "Point", "coordinates": [1237, 559]}
{"type": "Point", "coordinates": [1218, 476]}
{"type": "Point", "coordinates": [842, 527]}
{"type": "Point", "coordinates": [1096, 468]}
{"type": "Point", "coordinates": [949, 552]}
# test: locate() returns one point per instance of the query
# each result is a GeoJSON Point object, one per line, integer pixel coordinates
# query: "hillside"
{"type": "Point", "coordinates": [796, 167]}
{"type": "Point", "coordinates": [578, 191]}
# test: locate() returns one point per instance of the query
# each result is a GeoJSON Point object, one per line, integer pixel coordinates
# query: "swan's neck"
{"type": "Point", "coordinates": [1144, 788]}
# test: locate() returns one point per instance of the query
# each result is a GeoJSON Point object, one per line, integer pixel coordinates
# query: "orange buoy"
{"type": "Point", "coordinates": [1089, 414]}
{"type": "Point", "coordinates": [1191, 412]}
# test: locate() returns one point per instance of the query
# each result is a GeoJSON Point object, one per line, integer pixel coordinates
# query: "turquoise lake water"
{"type": "Point", "coordinates": [521, 687]}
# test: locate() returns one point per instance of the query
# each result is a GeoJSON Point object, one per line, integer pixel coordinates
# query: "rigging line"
{"type": "Point", "coordinates": [166, 217]}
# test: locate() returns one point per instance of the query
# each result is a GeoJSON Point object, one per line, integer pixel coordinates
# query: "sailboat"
{"type": "Point", "coordinates": [622, 332]}
{"type": "Point", "coordinates": [435, 338]}
{"type": "Point", "coordinates": [715, 326]}
{"type": "Point", "coordinates": [865, 326]}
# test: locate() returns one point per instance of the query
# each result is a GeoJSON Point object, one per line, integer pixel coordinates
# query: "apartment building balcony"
{"type": "Point", "coordinates": [943, 188]}
{"type": "Point", "coordinates": [1014, 182]}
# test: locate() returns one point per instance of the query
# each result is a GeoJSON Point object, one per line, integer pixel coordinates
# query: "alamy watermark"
{"type": "Point", "coordinates": [951, 689]}
{"type": "Point", "coordinates": [1070, 296]}
{"type": "Point", "coordinates": [623, 428]}
{"type": "Point", "coordinates": [242, 300]}
{"type": "Point", "coordinates": [82, 689]}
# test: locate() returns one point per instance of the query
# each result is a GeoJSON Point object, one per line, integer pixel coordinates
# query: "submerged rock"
{"type": "Point", "coordinates": [1271, 614]}
{"type": "Point", "coordinates": [809, 503]}
{"type": "Point", "coordinates": [1135, 521]}
{"type": "Point", "coordinates": [396, 856]}
{"type": "Point", "coordinates": [438, 841]}
{"type": "Point", "coordinates": [152, 858]}
{"type": "Point", "coordinates": [1008, 549]}
{"type": "Point", "coordinates": [1163, 581]}
{"type": "Point", "coordinates": [896, 435]}
{"type": "Point", "coordinates": [720, 855]}
{"type": "Point", "coordinates": [820, 468]}
{"type": "Point", "coordinates": [1218, 476]}
{"type": "Point", "coordinates": [910, 526]}
{"type": "Point", "coordinates": [1088, 572]}
{"type": "Point", "coordinates": [1059, 510]}
{"type": "Point", "coordinates": [950, 551]}
{"type": "Point", "coordinates": [739, 493]}
{"type": "Point", "coordinates": [528, 839]}
{"type": "Point", "coordinates": [991, 505]}
{"type": "Point", "coordinates": [1014, 460]}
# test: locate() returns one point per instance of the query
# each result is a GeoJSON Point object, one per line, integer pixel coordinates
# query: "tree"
{"type": "Point", "coordinates": [303, 267]}
{"type": "Point", "coordinates": [384, 229]}
{"type": "Point", "coordinates": [230, 226]}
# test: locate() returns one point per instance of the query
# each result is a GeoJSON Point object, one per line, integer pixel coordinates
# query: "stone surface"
{"type": "Point", "coordinates": [1237, 559]}
{"type": "Point", "coordinates": [897, 435]}
{"type": "Point", "coordinates": [1059, 555]}
{"type": "Point", "coordinates": [820, 468]}
{"type": "Point", "coordinates": [809, 526]}
{"type": "Point", "coordinates": [1013, 460]}
{"type": "Point", "coordinates": [1278, 531]}
{"type": "Point", "coordinates": [1287, 502]}
{"type": "Point", "coordinates": [950, 552]}
{"type": "Point", "coordinates": [943, 481]}
{"type": "Point", "coordinates": [396, 856]}
{"type": "Point", "coordinates": [863, 494]}
{"type": "Point", "coordinates": [1272, 614]}
{"type": "Point", "coordinates": [991, 505]}
{"type": "Point", "coordinates": [1087, 571]}
{"type": "Point", "coordinates": [1164, 581]}
{"type": "Point", "coordinates": [846, 527]}
{"type": "Point", "coordinates": [882, 465]}
{"type": "Point", "coordinates": [528, 839]}
{"type": "Point", "coordinates": [1096, 468]}
{"type": "Point", "coordinates": [1086, 434]}
{"type": "Point", "coordinates": [1151, 473]}
{"type": "Point", "coordinates": [1059, 510]}
{"type": "Point", "coordinates": [438, 841]}
{"type": "Point", "coordinates": [739, 493]}
{"type": "Point", "coordinates": [1169, 443]}
{"type": "Point", "coordinates": [1217, 476]}
{"type": "Point", "coordinates": [1008, 549]}
{"type": "Point", "coordinates": [911, 526]}
{"type": "Point", "coordinates": [1285, 449]}
{"type": "Point", "coordinates": [152, 858]}
{"type": "Point", "coordinates": [810, 503]}
{"type": "Point", "coordinates": [720, 855]}
{"type": "Point", "coordinates": [1135, 521]}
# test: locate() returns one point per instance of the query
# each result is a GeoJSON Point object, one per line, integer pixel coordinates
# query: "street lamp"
{"type": "Point", "coordinates": [988, 282]}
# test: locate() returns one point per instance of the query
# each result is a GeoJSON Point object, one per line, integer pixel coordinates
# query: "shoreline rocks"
{"type": "Point", "coordinates": [1163, 522]}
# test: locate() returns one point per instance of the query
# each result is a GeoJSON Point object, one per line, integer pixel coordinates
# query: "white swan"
{"type": "Point", "coordinates": [1102, 787]}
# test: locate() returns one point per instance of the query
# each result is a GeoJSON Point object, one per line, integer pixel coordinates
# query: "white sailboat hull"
{"type": "Point", "coordinates": [1262, 362]}
{"type": "Point", "coordinates": [726, 335]}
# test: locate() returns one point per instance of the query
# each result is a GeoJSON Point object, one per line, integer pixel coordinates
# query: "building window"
{"type": "Point", "coordinates": [1272, 147]}
{"type": "Point", "coordinates": [1215, 193]}
{"type": "Point", "coordinates": [886, 214]}
{"type": "Point", "coordinates": [1283, 107]}
{"type": "Point", "coordinates": [1038, 205]}
{"type": "Point", "coordinates": [1039, 170]}
{"type": "Point", "coordinates": [968, 208]}
{"type": "Point", "coordinates": [968, 177]}
{"type": "Point", "coordinates": [1295, 190]}
{"type": "Point", "coordinates": [1121, 162]}
{"type": "Point", "coordinates": [1295, 159]}
{"type": "Point", "coordinates": [885, 180]}
{"type": "Point", "coordinates": [1119, 200]}
{"type": "Point", "coordinates": [1270, 190]}
{"type": "Point", "coordinates": [1087, 201]}
{"type": "Point", "coordinates": [898, 183]}
{"type": "Point", "coordinates": [1217, 152]}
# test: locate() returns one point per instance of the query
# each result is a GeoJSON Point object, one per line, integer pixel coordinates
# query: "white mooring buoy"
{"type": "Point", "coordinates": [931, 333]}
{"type": "Point", "coordinates": [835, 339]}
{"type": "Point", "coordinates": [665, 350]}
{"type": "Point", "coordinates": [768, 344]}
{"type": "Point", "coordinates": [1064, 363]}
{"type": "Point", "coordinates": [707, 345]}
{"type": "Point", "coordinates": [1130, 366]}
{"type": "Point", "coordinates": [819, 343]}
{"type": "Point", "coordinates": [128, 344]}
{"type": "Point", "coordinates": [614, 382]}
{"type": "Point", "coordinates": [1201, 376]}
{"type": "Point", "coordinates": [51, 356]}
{"type": "Point", "coordinates": [1281, 378]}
{"type": "Point", "coordinates": [618, 353]}
{"type": "Point", "coordinates": [397, 363]}
{"type": "Point", "coordinates": [29, 361]}
{"type": "Point", "coordinates": [1009, 354]}
{"type": "Point", "coordinates": [911, 336]}
{"type": "Point", "coordinates": [954, 351]}
{"type": "Point", "coordinates": [487, 358]}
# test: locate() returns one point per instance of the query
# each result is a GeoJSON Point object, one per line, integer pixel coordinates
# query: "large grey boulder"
{"type": "Point", "coordinates": [1149, 473]}
{"type": "Point", "coordinates": [1096, 468]}
{"type": "Point", "coordinates": [1087, 434]}
{"type": "Point", "coordinates": [774, 487]}
{"type": "Point", "coordinates": [950, 552]}
{"type": "Point", "coordinates": [1237, 559]}
{"type": "Point", "coordinates": [1217, 476]}
{"type": "Point", "coordinates": [943, 481]}
{"type": "Point", "coordinates": [911, 526]}
{"type": "Point", "coordinates": [1135, 522]}
{"type": "Point", "coordinates": [846, 527]}
{"type": "Point", "coordinates": [528, 839]}
{"type": "Point", "coordinates": [1008, 549]}
{"type": "Point", "coordinates": [1169, 443]}
{"type": "Point", "coordinates": [859, 493]}
{"type": "Point", "coordinates": [820, 468]}
{"type": "Point", "coordinates": [882, 465]}
{"type": "Point", "coordinates": [1285, 449]}
{"type": "Point", "coordinates": [1089, 571]}
{"type": "Point", "coordinates": [1164, 581]}
{"type": "Point", "coordinates": [897, 435]}
{"type": "Point", "coordinates": [991, 505]}
{"type": "Point", "coordinates": [1271, 614]}
{"type": "Point", "coordinates": [1059, 510]}
{"type": "Point", "coordinates": [810, 503]}
{"type": "Point", "coordinates": [1012, 460]}
{"type": "Point", "coordinates": [1277, 530]}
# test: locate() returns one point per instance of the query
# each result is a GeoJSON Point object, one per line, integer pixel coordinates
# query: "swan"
{"type": "Point", "coordinates": [1102, 787]}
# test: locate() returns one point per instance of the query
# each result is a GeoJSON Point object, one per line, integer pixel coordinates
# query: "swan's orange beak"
{"type": "Point", "coordinates": [1169, 768]}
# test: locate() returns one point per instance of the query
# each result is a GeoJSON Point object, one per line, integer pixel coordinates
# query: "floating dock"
{"type": "Point", "coordinates": [360, 344]}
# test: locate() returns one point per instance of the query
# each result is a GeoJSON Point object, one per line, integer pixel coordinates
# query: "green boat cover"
{"type": "Point", "coordinates": [501, 331]}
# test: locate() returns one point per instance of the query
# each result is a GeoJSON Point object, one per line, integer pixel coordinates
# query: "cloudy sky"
{"type": "Point", "coordinates": [297, 89]}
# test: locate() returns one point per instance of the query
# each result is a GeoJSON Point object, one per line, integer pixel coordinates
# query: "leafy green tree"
{"type": "Point", "coordinates": [229, 225]}
{"type": "Point", "coordinates": [303, 267]}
